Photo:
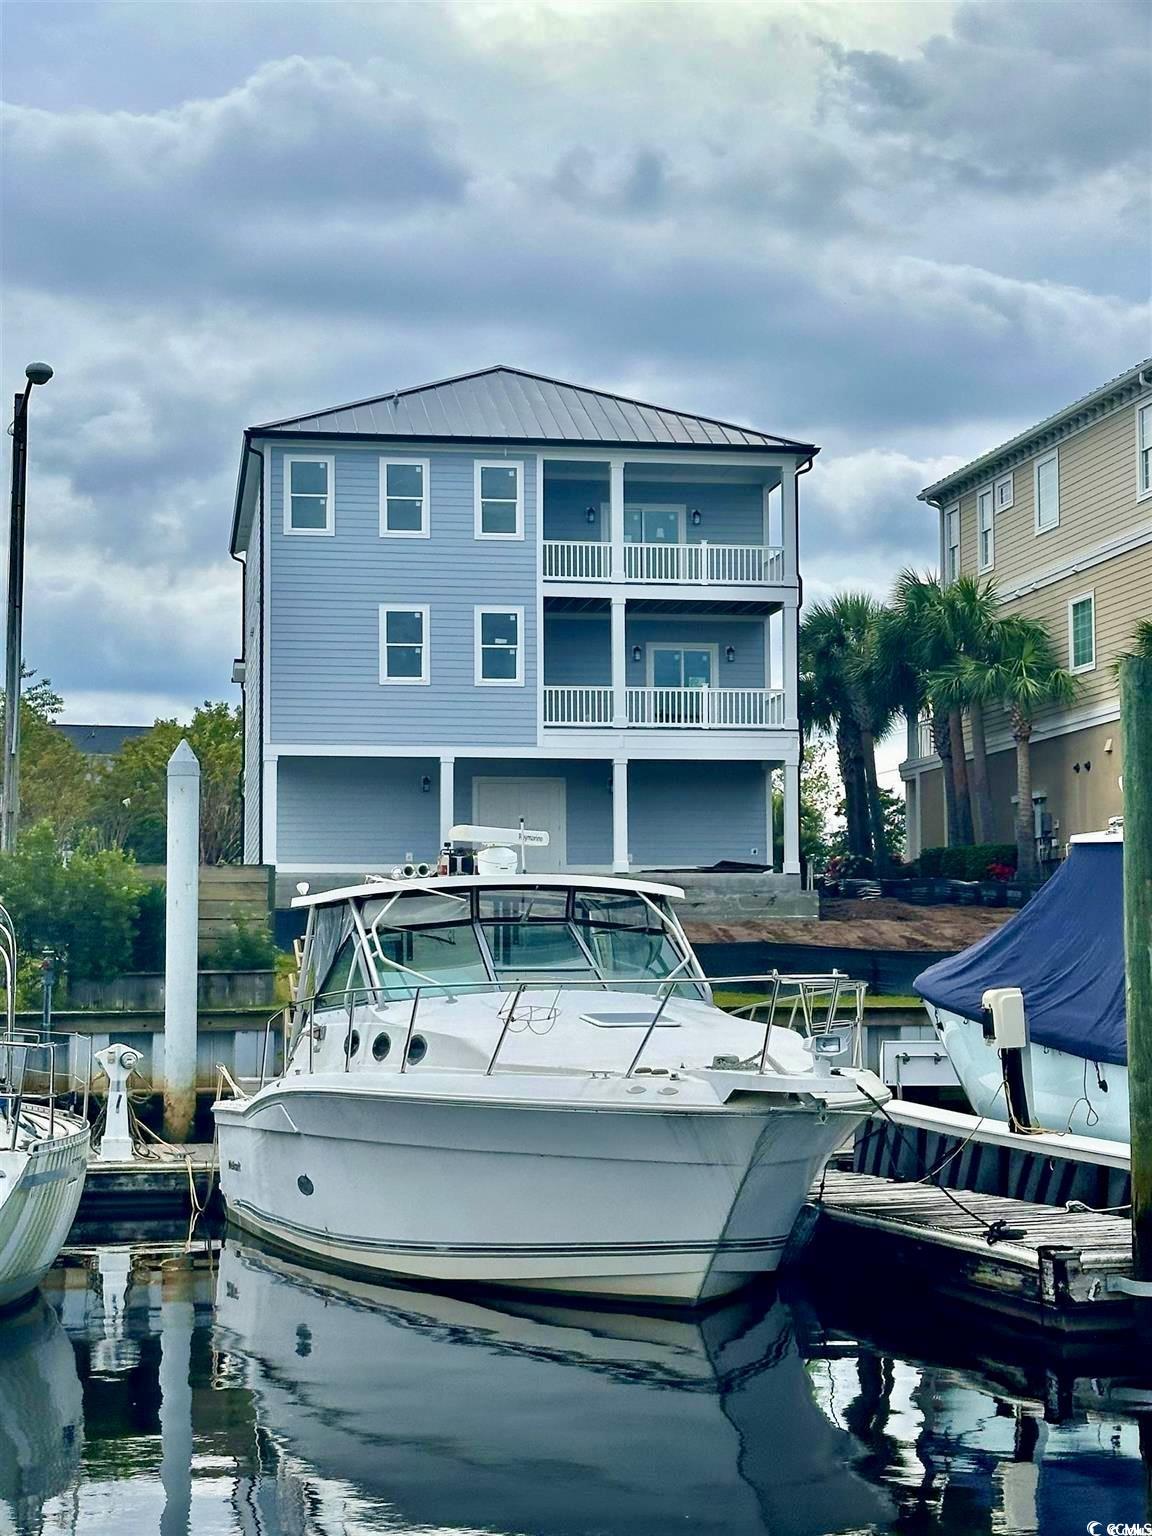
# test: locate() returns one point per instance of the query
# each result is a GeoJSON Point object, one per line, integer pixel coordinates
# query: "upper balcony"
{"type": "Point", "coordinates": [660, 525]}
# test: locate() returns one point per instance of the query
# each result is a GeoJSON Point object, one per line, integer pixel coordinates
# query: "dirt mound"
{"type": "Point", "coordinates": [863, 925]}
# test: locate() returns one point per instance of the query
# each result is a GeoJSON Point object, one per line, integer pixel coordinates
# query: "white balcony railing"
{"type": "Point", "coordinates": [577, 560]}
{"type": "Point", "coordinates": [581, 705]}
{"type": "Point", "coordinates": [925, 747]}
{"type": "Point", "coordinates": [667, 708]}
{"type": "Point", "coordinates": [702, 563]}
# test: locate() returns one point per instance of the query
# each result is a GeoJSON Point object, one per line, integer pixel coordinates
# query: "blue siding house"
{"type": "Point", "coordinates": [503, 596]}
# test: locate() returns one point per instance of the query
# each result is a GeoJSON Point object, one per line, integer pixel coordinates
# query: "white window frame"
{"type": "Point", "coordinates": [1002, 503]}
{"type": "Point", "coordinates": [478, 648]}
{"type": "Point", "coordinates": [1085, 666]}
{"type": "Point", "coordinates": [478, 507]}
{"type": "Point", "coordinates": [425, 645]}
{"type": "Point", "coordinates": [950, 512]}
{"type": "Point", "coordinates": [652, 646]}
{"type": "Point", "coordinates": [1143, 446]}
{"type": "Point", "coordinates": [424, 529]}
{"type": "Point", "coordinates": [1038, 463]}
{"type": "Point", "coordinates": [988, 491]}
{"type": "Point", "coordinates": [679, 508]}
{"type": "Point", "coordinates": [329, 527]}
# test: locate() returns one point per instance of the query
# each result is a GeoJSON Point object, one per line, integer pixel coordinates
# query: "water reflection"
{"type": "Point", "coordinates": [237, 1392]}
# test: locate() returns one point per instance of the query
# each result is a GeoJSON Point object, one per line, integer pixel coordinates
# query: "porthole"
{"type": "Point", "coordinates": [352, 1044]}
{"type": "Point", "coordinates": [305, 1185]}
{"type": "Point", "coordinates": [417, 1050]}
{"type": "Point", "coordinates": [381, 1046]}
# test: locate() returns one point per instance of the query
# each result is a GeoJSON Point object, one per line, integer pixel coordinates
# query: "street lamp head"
{"type": "Point", "coordinates": [38, 373]}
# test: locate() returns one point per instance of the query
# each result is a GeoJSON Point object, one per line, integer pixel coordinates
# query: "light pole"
{"type": "Point", "coordinates": [35, 373]}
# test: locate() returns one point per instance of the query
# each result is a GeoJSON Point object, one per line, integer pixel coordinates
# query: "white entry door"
{"type": "Point", "coordinates": [501, 802]}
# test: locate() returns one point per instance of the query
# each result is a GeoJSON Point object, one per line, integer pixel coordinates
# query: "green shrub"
{"type": "Point", "coordinates": [83, 907]}
{"type": "Point", "coordinates": [148, 942]}
{"type": "Point", "coordinates": [970, 863]}
{"type": "Point", "coordinates": [249, 947]}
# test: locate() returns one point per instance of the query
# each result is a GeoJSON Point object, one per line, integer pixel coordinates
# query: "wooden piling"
{"type": "Point", "coordinates": [1136, 731]}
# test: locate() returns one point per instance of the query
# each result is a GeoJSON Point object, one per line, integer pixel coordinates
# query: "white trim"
{"type": "Point", "coordinates": [269, 770]}
{"type": "Point", "coordinates": [603, 453]}
{"type": "Point", "coordinates": [479, 465]}
{"type": "Point", "coordinates": [478, 649]}
{"type": "Point", "coordinates": [776, 743]}
{"type": "Point", "coordinates": [1010, 480]}
{"type": "Point", "coordinates": [948, 571]}
{"type": "Point", "coordinates": [1143, 442]}
{"type": "Point", "coordinates": [1085, 666]}
{"type": "Point", "coordinates": [329, 528]}
{"type": "Point", "coordinates": [539, 504]}
{"type": "Point", "coordinates": [652, 646]}
{"type": "Point", "coordinates": [1052, 456]}
{"type": "Point", "coordinates": [983, 565]}
{"type": "Point", "coordinates": [425, 645]}
{"type": "Point", "coordinates": [1085, 560]}
{"type": "Point", "coordinates": [425, 528]}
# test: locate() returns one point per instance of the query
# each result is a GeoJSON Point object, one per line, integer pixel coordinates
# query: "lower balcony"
{"type": "Point", "coordinates": [585, 706]}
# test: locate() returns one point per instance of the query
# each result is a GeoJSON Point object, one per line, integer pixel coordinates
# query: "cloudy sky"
{"type": "Point", "coordinates": [903, 231]}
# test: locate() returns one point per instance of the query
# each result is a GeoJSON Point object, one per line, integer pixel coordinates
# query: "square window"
{"type": "Point", "coordinates": [404, 498]}
{"type": "Point", "coordinates": [499, 509]}
{"type": "Point", "coordinates": [1005, 492]}
{"type": "Point", "coordinates": [1082, 633]}
{"type": "Point", "coordinates": [1046, 484]}
{"type": "Point", "coordinates": [499, 655]}
{"type": "Point", "coordinates": [404, 645]}
{"type": "Point", "coordinates": [307, 495]}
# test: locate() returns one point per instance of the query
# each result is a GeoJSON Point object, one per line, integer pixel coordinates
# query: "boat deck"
{"type": "Point", "coordinates": [1044, 1264]}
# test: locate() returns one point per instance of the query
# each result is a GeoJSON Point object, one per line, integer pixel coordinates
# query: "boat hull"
{"type": "Point", "coordinates": [39, 1195]}
{"type": "Point", "coordinates": [670, 1207]}
{"type": "Point", "coordinates": [1068, 1093]}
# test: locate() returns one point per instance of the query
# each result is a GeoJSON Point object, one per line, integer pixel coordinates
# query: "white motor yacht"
{"type": "Point", "coordinates": [525, 1080]}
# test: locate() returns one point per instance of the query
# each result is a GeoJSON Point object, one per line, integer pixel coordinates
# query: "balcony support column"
{"type": "Point", "coordinates": [447, 797]}
{"type": "Point", "coordinates": [791, 818]}
{"type": "Point", "coordinates": [770, 814]}
{"type": "Point", "coordinates": [616, 517]}
{"type": "Point", "coordinates": [620, 816]}
{"type": "Point", "coordinates": [619, 666]}
{"type": "Point", "coordinates": [790, 663]}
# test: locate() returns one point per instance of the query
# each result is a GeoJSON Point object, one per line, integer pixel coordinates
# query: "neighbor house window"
{"type": "Point", "coordinates": [404, 498]}
{"type": "Point", "coordinates": [1046, 473]}
{"type": "Point", "coordinates": [1082, 633]}
{"type": "Point", "coordinates": [499, 501]}
{"type": "Point", "coordinates": [404, 644]}
{"type": "Point", "coordinates": [308, 495]}
{"type": "Point", "coordinates": [1005, 489]}
{"type": "Point", "coordinates": [1144, 450]}
{"type": "Point", "coordinates": [951, 543]}
{"type": "Point", "coordinates": [985, 537]}
{"type": "Point", "coordinates": [499, 652]}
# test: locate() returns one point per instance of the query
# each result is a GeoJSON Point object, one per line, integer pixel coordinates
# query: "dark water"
{"type": "Point", "coordinates": [221, 1389]}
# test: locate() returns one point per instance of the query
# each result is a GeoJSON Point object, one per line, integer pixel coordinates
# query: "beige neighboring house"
{"type": "Point", "coordinates": [1060, 518]}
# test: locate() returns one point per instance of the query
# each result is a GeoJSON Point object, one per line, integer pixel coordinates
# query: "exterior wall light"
{"type": "Point", "coordinates": [695, 517]}
{"type": "Point", "coordinates": [590, 514]}
{"type": "Point", "coordinates": [729, 653]}
{"type": "Point", "coordinates": [426, 785]}
{"type": "Point", "coordinates": [636, 653]}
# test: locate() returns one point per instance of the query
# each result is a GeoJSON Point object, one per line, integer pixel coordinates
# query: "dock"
{"type": "Point", "coordinates": [162, 1184]}
{"type": "Point", "coordinates": [1041, 1265]}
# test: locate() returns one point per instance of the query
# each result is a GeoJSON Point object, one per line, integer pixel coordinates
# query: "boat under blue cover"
{"type": "Point", "coordinates": [1064, 950]}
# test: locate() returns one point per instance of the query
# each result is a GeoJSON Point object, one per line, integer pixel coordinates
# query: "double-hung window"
{"type": "Point", "coordinates": [1082, 633]}
{"type": "Point", "coordinates": [986, 538]}
{"type": "Point", "coordinates": [404, 498]}
{"type": "Point", "coordinates": [404, 644]}
{"type": "Point", "coordinates": [1144, 450]}
{"type": "Point", "coordinates": [1046, 490]}
{"type": "Point", "coordinates": [499, 646]}
{"type": "Point", "coordinates": [308, 494]}
{"type": "Point", "coordinates": [951, 543]}
{"type": "Point", "coordinates": [499, 500]}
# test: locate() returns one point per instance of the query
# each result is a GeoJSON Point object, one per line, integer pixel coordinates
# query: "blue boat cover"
{"type": "Point", "coordinates": [1064, 950]}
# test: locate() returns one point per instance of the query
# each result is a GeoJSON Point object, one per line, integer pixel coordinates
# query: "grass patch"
{"type": "Point", "coordinates": [730, 1000]}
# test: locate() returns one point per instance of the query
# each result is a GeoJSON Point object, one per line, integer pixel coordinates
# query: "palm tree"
{"type": "Point", "coordinates": [825, 705]}
{"type": "Point", "coordinates": [1019, 671]}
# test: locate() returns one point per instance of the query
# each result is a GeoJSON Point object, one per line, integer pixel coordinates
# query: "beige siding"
{"type": "Point", "coordinates": [1098, 501]}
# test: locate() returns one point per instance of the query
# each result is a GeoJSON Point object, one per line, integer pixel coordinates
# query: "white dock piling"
{"type": "Point", "coordinates": [180, 934]}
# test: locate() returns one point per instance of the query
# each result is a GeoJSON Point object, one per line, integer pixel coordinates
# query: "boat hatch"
{"type": "Point", "coordinates": [627, 1020]}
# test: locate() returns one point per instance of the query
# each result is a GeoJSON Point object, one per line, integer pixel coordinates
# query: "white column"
{"type": "Point", "coordinates": [180, 933]}
{"type": "Point", "coordinates": [790, 663]}
{"type": "Point", "coordinates": [789, 527]}
{"type": "Point", "coordinates": [770, 814]}
{"type": "Point", "coordinates": [447, 797]}
{"type": "Point", "coordinates": [616, 516]}
{"type": "Point", "coordinates": [619, 666]}
{"type": "Point", "coordinates": [620, 815]}
{"type": "Point", "coordinates": [177, 1321]}
{"type": "Point", "coordinates": [791, 819]}
{"type": "Point", "coordinates": [268, 814]}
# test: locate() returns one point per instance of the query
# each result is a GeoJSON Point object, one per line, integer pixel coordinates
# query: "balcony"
{"type": "Point", "coordinates": [588, 706]}
{"type": "Point", "coordinates": [700, 563]}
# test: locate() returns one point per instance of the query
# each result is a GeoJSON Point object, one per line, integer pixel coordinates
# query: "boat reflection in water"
{"type": "Point", "coordinates": [443, 1411]}
{"type": "Point", "coordinates": [41, 1414]}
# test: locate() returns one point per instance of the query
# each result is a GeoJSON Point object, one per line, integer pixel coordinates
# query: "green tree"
{"type": "Point", "coordinates": [56, 782]}
{"type": "Point", "coordinates": [131, 798]}
{"type": "Point", "coordinates": [1019, 671]}
{"type": "Point", "coordinates": [826, 705]}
